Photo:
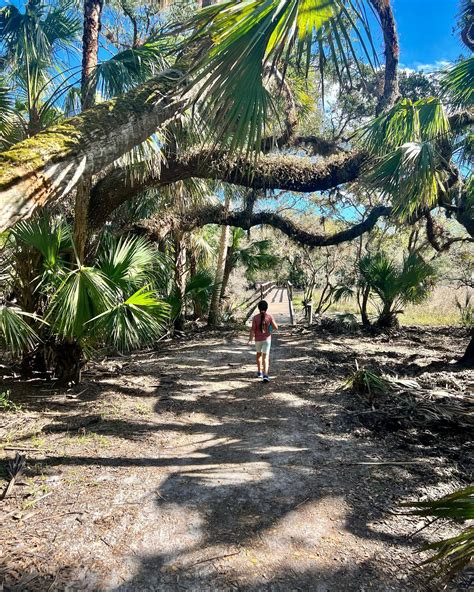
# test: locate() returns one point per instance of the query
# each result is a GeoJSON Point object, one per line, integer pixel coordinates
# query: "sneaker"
{"type": "Point", "coordinates": [266, 378]}
{"type": "Point", "coordinates": [259, 374]}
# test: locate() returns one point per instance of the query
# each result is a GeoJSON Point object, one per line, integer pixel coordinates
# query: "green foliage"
{"type": "Point", "coordinates": [198, 289]}
{"type": "Point", "coordinates": [458, 83]}
{"type": "Point", "coordinates": [126, 261]}
{"type": "Point", "coordinates": [133, 322]}
{"type": "Point", "coordinates": [249, 35]}
{"type": "Point", "coordinates": [255, 256]}
{"type": "Point", "coordinates": [407, 139]}
{"type": "Point", "coordinates": [407, 121]}
{"type": "Point", "coordinates": [132, 66]}
{"type": "Point", "coordinates": [85, 293]}
{"type": "Point", "coordinates": [411, 177]}
{"type": "Point", "coordinates": [394, 285]}
{"type": "Point", "coordinates": [6, 404]}
{"type": "Point", "coordinates": [35, 37]}
{"type": "Point", "coordinates": [15, 333]}
{"type": "Point", "coordinates": [51, 237]}
{"type": "Point", "coordinates": [368, 384]}
{"type": "Point", "coordinates": [114, 301]}
{"type": "Point", "coordinates": [452, 554]}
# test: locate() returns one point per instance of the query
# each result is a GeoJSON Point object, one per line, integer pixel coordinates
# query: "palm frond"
{"type": "Point", "coordinates": [199, 288]}
{"type": "Point", "coordinates": [412, 176]}
{"type": "Point", "coordinates": [342, 292]}
{"type": "Point", "coordinates": [7, 113]}
{"type": "Point", "coordinates": [248, 36]}
{"type": "Point", "coordinates": [84, 294]}
{"type": "Point", "coordinates": [380, 274]}
{"type": "Point", "coordinates": [257, 256]}
{"type": "Point", "coordinates": [135, 322]}
{"type": "Point", "coordinates": [455, 553]}
{"type": "Point", "coordinates": [415, 280]}
{"type": "Point", "coordinates": [51, 237]}
{"type": "Point", "coordinates": [62, 26]}
{"type": "Point", "coordinates": [458, 83]}
{"type": "Point", "coordinates": [132, 66]}
{"type": "Point", "coordinates": [126, 261]}
{"type": "Point", "coordinates": [15, 333]}
{"type": "Point", "coordinates": [407, 121]}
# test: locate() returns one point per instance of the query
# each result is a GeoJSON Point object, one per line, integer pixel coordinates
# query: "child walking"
{"type": "Point", "coordinates": [261, 330]}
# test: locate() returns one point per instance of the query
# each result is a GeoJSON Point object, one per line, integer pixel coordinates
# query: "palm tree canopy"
{"type": "Point", "coordinates": [247, 40]}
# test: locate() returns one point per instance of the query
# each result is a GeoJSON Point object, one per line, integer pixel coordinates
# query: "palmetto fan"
{"type": "Point", "coordinates": [409, 142]}
{"type": "Point", "coordinates": [245, 38]}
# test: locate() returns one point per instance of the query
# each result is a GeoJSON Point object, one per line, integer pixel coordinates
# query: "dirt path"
{"type": "Point", "coordinates": [181, 471]}
{"type": "Point", "coordinates": [279, 305]}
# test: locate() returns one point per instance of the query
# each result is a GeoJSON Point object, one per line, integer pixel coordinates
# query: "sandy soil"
{"type": "Point", "coordinates": [179, 470]}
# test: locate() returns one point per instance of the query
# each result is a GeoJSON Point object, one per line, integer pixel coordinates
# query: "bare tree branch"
{"type": "Point", "coordinates": [246, 220]}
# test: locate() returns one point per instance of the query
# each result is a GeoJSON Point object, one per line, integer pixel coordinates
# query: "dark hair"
{"type": "Point", "coordinates": [262, 307]}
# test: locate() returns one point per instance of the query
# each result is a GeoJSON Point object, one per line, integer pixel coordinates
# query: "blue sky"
{"type": "Point", "coordinates": [425, 28]}
{"type": "Point", "coordinates": [426, 32]}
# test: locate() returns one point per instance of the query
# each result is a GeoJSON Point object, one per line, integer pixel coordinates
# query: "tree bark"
{"type": "Point", "coordinates": [42, 168]}
{"type": "Point", "coordinates": [468, 357]}
{"type": "Point", "coordinates": [242, 219]}
{"type": "Point", "coordinates": [180, 276]}
{"type": "Point", "coordinates": [90, 57]}
{"type": "Point", "coordinates": [90, 51]}
{"type": "Point", "coordinates": [390, 92]}
{"type": "Point", "coordinates": [363, 307]}
{"type": "Point", "coordinates": [268, 172]}
{"type": "Point", "coordinates": [221, 259]}
{"type": "Point", "coordinates": [227, 271]}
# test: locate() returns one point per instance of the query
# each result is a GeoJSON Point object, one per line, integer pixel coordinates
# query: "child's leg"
{"type": "Point", "coordinates": [265, 363]}
{"type": "Point", "coordinates": [259, 361]}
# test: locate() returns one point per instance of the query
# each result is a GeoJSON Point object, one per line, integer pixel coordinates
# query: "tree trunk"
{"type": "Point", "coordinates": [67, 363]}
{"type": "Point", "coordinates": [223, 242]}
{"type": "Point", "coordinates": [197, 308]}
{"type": "Point", "coordinates": [363, 307]}
{"type": "Point", "coordinates": [228, 267]}
{"type": "Point", "coordinates": [81, 217]}
{"type": "Point", "coordinates": [90, 57]}
{"type": "Point", "coordinates": [90, 52]}
{"type": "Point", "coordinates": [180, 277]}
{"type": "Point", "coordinates": [387, 318]}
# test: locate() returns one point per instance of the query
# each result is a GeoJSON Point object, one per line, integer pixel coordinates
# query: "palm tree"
{"type": "Point", "coordinates": [395, 286]}
{"type": "Point", "coordinates": [34, 41]}
{"type": "Point", "coordinates": [452, 554]}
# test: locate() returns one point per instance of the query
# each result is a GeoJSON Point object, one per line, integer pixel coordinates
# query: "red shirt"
{"type": "Point", "coordinates": [265, 334]}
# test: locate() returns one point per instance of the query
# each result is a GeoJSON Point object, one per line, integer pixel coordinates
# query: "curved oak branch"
{"type": "Point", "coordinates": [268, 172]}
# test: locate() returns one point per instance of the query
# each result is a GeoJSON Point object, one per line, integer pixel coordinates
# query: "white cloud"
{"type": "Point", "coordinates": [427, 68]}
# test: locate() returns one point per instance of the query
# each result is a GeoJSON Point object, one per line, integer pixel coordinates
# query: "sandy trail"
{"type": "Point", "coordinates": [216, 481]}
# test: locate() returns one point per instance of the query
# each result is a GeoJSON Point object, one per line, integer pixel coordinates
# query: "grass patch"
{"type": "Point", "coordinates": [439, 310]}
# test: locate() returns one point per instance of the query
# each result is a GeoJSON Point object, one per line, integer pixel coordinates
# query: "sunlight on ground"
{"type": "Point", "coordinates": [293, 400]}
{"type": "Point", "coordinates": [216, 475]}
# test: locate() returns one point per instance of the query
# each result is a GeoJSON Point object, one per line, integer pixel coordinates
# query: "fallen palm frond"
{"type": "Point", "coordinates": [405, 402]}
{"type": "Point", "coordinates": [455, 553]}
{"type": "Point", "coordinates": [366, 383]}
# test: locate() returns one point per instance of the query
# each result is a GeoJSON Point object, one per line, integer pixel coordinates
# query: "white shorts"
{"type": "Point", "coordinates": [263, 347]}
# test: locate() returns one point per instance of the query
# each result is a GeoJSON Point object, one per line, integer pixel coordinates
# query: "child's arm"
{"type": "Point", "coordinates": [252, 333]}
{"type": "Point", "coordinates": [274, 324]}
